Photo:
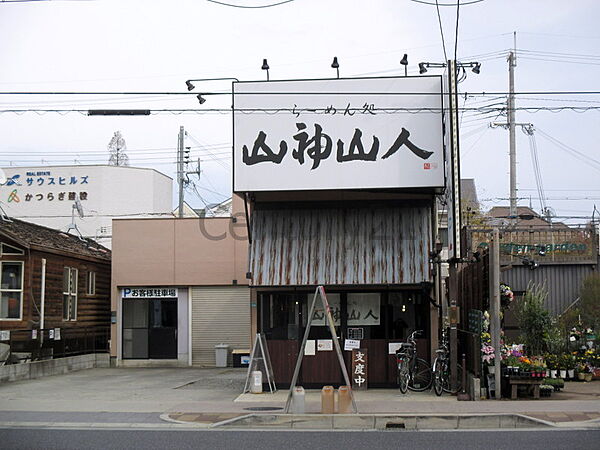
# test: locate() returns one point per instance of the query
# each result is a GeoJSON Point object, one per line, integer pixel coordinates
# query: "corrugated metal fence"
{"type": "Point", "coordinates": [340, 246]}
{"type": "Point", "coordinates": [562, 281]}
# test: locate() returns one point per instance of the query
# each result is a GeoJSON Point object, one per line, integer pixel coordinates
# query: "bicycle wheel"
{"type": "Point", "coordinates": [421, 376]}
{"type": "Point", "coordinates": [403, 377]}
{"type": "Point", "coordinates": [438, 377]}
{"type": "Point", "coordinates": [446, 384]}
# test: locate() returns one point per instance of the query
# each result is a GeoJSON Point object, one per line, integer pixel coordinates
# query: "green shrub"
{"type": "Point", "coordinates": [535, 321]}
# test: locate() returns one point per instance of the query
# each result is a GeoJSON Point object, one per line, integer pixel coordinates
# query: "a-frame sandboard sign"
{"type": "Point", "coordinates": [260, 360]}
{"type": "Point", "coordinates": [320, 292]}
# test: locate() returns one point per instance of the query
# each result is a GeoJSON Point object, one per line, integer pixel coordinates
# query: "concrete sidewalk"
{"type": "Point", "coordinates": [191, 397]}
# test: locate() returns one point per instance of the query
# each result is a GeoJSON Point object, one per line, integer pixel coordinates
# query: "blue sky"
{"type": "Point", "coordinates": [156, 45]}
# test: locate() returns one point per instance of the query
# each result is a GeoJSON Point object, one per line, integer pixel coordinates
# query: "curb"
{"type": "Point", "coordinates": [103, 425]}
{"type": "Point", "coordinates": [385, 421]}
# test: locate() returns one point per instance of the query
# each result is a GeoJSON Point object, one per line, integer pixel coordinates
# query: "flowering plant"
{"type": "Point", "coordinates": [506, 295]}
{"type": "Point", "coordinates": [513, 350]}
{"type": "Point", "coordinates": [487, 354]}
{"type": "Point", "coordinates": [552, 361]}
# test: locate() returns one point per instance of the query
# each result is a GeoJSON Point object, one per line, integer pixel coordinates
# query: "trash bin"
{"type": "Point", "coordinates": [221, 351]}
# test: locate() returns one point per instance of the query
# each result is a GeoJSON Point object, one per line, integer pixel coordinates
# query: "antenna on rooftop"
{"type": "Point", "coordinates": [73, 226]}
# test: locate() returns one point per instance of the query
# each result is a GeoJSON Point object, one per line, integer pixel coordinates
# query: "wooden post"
{"type": "Point", "coordinates": [453, 294]}
{"type": "Point", "coordinates": [495, 308]}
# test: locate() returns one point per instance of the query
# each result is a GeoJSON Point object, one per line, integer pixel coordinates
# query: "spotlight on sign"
{"type": "Point", "coordinates": [422, 68]}
{"type": "Point", "coordinates": [476, 68]}
{"type": "Point", "coordinates": [335, 65]}
{"type": "Point", "coordinates": [201, 99]}
{"type": "Point", "coordinates": [265, 66]}
{"type": "Point", "coordinates": [189, 85]}
{"type": "Point", "coordinates": [404, 62]}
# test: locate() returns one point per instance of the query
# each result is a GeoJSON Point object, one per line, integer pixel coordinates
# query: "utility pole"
{"type": "Point", "coordinates": [454, 232]}
{"type": "Point", "coordinates": [512, 63]}
{"type": "Point", "coordinates": [511, 133]}
{"type": "Point", "coordinates": [494, 288]}
{"type": "Point", "coordinates": [180, 171]}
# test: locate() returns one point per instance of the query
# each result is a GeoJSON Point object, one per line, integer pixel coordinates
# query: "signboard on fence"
{"type": "Point", "coordinates": [338, 134]}
{"type": "Point", "coordinates": [561, 245]}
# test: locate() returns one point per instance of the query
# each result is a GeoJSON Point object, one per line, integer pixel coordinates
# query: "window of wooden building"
{"type": "Point", "coordinates": [11, 290]}
{"type": "Point", "coordinates": [91, 283]}
{"type": "Point", "coordinates": [6, 249]}
{"type": "Point", "coordinates": [70, 293]}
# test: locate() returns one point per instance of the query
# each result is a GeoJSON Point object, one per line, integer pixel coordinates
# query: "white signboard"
{"type": "Point", "coordinates": [338, 134]}
{"type": "Point", "coordinates": [149, 292]}
{"type": "Point", "coordinates": [324, 345]}
{"type": "Point", "coordinates": [350, 344]}
{"type": "Point", "coordinates": [393, 347]}
{"type": "Point", "coordinates": [309, 348]}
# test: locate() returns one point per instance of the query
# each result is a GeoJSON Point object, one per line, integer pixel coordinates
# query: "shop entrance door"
{"type": "Point", "coordinates": [162, 332]}
{"type": "Point", "coordinates": [150, 328]}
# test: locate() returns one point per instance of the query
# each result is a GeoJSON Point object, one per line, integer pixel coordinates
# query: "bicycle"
{"type": "Point", "coordinates": [441, 370]}
{"type": "Point", "coordinates": [413, 373]}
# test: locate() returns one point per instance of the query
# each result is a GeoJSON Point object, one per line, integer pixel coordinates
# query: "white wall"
{"type": "Point", "coordinates": [112, 191]}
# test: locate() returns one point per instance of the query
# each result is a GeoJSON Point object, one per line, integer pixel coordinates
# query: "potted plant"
{"type": "Point", "coordinates": [551, 362]}
{"type": "Point", "coordinates": [581, 371]}
{"type": "Point", "coordinates": [570, 362]}
{"type": "Point", "coordinates": [588, 373]}
{"type": "Point", "coordinates": [487, 356]}
{"type": "Point", "coordinates": [562, 366]}
{"type": "Point", "coordinates": [546, 390]}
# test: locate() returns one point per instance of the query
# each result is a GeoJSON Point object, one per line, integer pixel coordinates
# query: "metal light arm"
{"type": "Point", "coordinates": [190, 86]}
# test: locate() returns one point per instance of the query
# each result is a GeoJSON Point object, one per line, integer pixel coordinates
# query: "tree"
{"type": "Point", "coordinates": [116, 148]}
{"type": "Point", "coordinates": [589, 303]}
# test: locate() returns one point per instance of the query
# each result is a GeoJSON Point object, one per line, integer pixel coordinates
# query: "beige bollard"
{"type": "Point", "coordinates": [344, 400]}
{"type": "Point", "coordinates": [327, 400]}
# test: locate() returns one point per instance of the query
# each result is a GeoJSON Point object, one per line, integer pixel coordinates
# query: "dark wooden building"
{"type": "Point", "coordinates": [51, 279]}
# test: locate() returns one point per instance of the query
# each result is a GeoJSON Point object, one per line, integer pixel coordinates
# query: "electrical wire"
{"type": "Point", "coordinates": [472, 2]}
{"type": "Point", "coordinates": [441, 30]}
{"type": "Point", "coordinates": [593, 163]}
{"type": "Point", "coordinates": [217, 93]}
{"type": "Point", "coordinates": [456, 32]}
{"type": "Point", "coordinates": [250, 7]}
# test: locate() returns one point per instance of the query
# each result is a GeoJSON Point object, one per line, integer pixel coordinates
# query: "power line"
{"type": "Point", "coordinates": [595, 164]}
{"type": "Point", "coordinates": [472, 2]}
{"type": "Point", "coordinates": [456, 32]}
{"type": "Point", "coordinates": [441, 29]}
{"type": "Point", "coordinates": [215, 93]}
{"type": "Point", "coordinates": [250, 7]}
{"type": "Point", "coordinates": [323, 111]}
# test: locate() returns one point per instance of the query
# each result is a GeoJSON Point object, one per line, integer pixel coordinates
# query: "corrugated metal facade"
{"type": "Point", "coordinates": [340, 246]}
{"type": "Point", "coordinates": [219, 315]}
{"type": "Point", "coordinates": [563, 282]}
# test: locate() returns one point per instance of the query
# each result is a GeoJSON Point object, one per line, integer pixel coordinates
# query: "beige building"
{"type": "Point", "coordinates": [179, 288]}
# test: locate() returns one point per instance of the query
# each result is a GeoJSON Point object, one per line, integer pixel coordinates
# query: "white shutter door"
{"type": "Point", "coordinates": [220, 315]}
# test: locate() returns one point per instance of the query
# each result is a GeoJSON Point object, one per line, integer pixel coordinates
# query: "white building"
{"type": "Point", "coordinates": [47, 196]}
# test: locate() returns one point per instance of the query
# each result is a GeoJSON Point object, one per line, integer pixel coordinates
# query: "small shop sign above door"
{"type": "Point", "coordinates": [147, 292]}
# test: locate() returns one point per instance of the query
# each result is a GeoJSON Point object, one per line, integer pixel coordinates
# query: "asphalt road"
{"type": "Point", "coordinates": [28, 438]}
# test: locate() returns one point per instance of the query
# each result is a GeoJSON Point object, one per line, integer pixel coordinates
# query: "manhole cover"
{"type": "Point", "coordinates": [263, 408]}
